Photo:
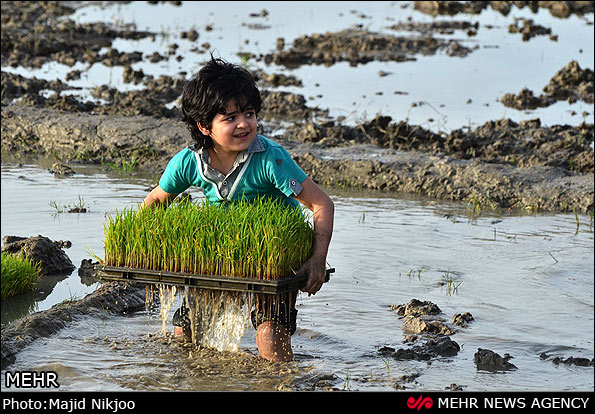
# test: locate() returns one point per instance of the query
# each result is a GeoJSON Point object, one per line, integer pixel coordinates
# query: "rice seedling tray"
{"type": "Point", "coordinates": [237, 284]}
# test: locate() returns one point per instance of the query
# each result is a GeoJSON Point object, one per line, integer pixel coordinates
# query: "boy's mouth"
{"type": "Point", "coordinates": [242, 135]}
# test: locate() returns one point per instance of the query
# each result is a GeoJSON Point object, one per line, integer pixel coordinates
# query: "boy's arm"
{"type": "Point", "coordinates": [323, 209]}
{"type": "Point", "coordinates": [157, 195]}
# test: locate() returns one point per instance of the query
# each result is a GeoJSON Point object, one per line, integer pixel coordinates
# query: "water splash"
{"type": "Point", "coordinates": [217, 318]}
{"type": "Point", "coordinates": [167, 294]}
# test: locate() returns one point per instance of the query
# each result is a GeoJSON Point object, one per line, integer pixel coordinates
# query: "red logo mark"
{"type": "Point", "coordinates": [420, 403]}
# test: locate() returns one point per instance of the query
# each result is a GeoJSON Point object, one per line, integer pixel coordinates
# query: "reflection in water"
{"type": "Point", "coordinates": [18, 306]}
{"type": "Point", "coordinates": [21, 305]}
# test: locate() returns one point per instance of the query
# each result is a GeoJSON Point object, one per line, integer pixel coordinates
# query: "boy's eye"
{"type": "Point", "coordinates": [248, 114]}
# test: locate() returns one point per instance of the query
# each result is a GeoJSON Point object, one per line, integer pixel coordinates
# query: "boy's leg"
{"type": "Point", "coordinates": [274, 342]}
{"type": "Point", "coordinates": [275, 322]}
{"type": "Point", "coordinates": [181, 322]}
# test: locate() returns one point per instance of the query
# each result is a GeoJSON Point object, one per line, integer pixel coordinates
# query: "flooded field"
{"type": "Point", "coordinates": [485, 219]}
{"type": "Point", "coordinates": [433, 90]}
{"type": "Point", "coordinates": [526, 279]}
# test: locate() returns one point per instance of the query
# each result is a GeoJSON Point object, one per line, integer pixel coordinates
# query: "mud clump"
{"type": "Point", "coordinates": [416, 307]}
{"type": "Point", "coordinates": [417, 325]}
{"type": "Point", "coordinates": [34, 34]}
{"type": "Point", "coordinates": [441, 27]}
{"type": "Point", "coordinates": [571, 83]}
{"type": "Point", "coordinates": [462, 320]}
{"type": "Point", "coordinates": [435, 8]}
{"type": "Point", "coordinates": [578, 361]}
{"type": "Point", "coordinates": [87, 272]}
{"type": "Point", "coordinates": [523, 144]}
{"type": "Point", "coordinates": [47, 253]}
{"type": "Point", "coordinates": [421, 321]}
{"type": "Point", "coordinates": [163, 91]}
{"type": "Point", "coordinates": [525, 99]}
{"type": "Point", "coordinates": [560, 9]}
{"type": "Point", "coordinates": [422, 318]}
{"type": "Point", "coordinates": [442, 346]}
{"type": "Point", "coordinates": [529, 29]}
{"type": "Point", "coordinates": [17, 86]}
{"type": "Point", "coordinates": [358, 47]}
{"type": "Point", "coordinates": [488, 360]}
{"type": "Point", "coordinates": [285, 105]}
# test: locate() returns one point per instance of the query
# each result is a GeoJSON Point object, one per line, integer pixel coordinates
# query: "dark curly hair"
{"type": "Point", "coordinates": [206, 94]}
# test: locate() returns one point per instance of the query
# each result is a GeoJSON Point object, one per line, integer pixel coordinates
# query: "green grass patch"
{"type": "Point", "coordinates": [19, 274]}
{"type": "Point", "coordinates": [262, 239]}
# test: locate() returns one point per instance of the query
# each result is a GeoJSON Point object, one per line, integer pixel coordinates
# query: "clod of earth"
{"type": "Point", "coordinates": [489, 360]}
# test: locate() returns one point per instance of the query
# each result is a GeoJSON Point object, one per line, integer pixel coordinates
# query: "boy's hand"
{"type": "Point", "coordinates": [323, 209]}
{"type": "Point", "coordinates": [316, 270]}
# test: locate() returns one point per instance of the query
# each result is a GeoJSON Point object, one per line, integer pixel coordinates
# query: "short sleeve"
{"type": "Point", "coordinates": [284, 172]}
{"type": "Point", "coordinates": [179, 173]}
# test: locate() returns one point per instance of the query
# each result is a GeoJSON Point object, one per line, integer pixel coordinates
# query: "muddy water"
{"type": "Point", "coordinates": [527, 280]}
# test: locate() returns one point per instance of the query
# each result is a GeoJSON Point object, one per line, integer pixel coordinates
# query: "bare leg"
{"type": "Point", "coordinates": [274, 342]}
{"type": "Point", "coordinates": [184, 333]}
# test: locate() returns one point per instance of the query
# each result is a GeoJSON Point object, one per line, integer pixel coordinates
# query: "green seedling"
{"type": "Point", "coordinates": [451, 285]}
{"type": "Point", "coordinates": [260, 239]}
{"type": "Point", "coordinates": [19, 274]}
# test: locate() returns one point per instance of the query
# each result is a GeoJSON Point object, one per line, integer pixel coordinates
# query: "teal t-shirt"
{"type": "Point", "coordinates": [269, 172]}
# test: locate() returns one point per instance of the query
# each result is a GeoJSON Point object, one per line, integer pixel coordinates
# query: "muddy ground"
{"type": "Point", "coordinates": [499, 166]}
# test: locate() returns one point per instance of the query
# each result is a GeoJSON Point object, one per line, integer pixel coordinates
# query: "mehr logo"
{"type": "Point", "coordinates": [31, 379]}
{"type": "Point", "coordinates": [420, 402]}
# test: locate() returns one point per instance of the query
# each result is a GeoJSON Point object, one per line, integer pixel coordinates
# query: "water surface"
{"type": "Point", "coordinates": [526, 279]}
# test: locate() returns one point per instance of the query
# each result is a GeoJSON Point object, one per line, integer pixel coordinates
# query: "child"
{"type": "Point", "coordinates": [229, 160]}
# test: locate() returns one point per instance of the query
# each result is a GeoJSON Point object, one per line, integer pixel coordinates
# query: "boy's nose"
{"type": "Point", "coordinates": [242, 122]}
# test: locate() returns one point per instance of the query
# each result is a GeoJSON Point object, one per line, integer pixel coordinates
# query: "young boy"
{"type": "Point", "coordinates": [229, 161]}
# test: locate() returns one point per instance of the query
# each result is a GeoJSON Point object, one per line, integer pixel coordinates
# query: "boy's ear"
{"type": "Point", "coordinates": [202, 129]}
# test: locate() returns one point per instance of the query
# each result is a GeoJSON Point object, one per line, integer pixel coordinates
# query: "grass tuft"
{"type": "Point", "coordinates": [19, 274]}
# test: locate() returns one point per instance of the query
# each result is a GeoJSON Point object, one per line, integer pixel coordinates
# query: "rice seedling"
{"type": "Point", "coordinates": [19, 274]}
{"type": "Point", "coordinates": [387, 366]}
{"type": "Point", "coordinates": [259, 239]}
{"type": "Point", "coordinates": [577, 221]}
{"type": "Point", "coordinates": [70, 208]}
{"type": "Point", "coordinates": [123, 167]}
{"type": "Point", "coordinates": [346, 382]}
{"type": "Point", "coordinates": [451, 285]}
{"type": "Point", "coordinates": [474, 205]}
{"type": "Point", "coordinates": [419, 272]}
{"type": "Point", "coordinates": [477, 202]}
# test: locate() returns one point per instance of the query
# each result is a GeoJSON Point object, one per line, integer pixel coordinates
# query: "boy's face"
{"type": "Point", "coordinates": [233, 131]}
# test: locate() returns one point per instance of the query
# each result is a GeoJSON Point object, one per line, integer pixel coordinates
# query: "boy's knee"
{"type": "Point", "coordinates": [283, 317]}
{"type": "Point", "coordinates": [274, 342]}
